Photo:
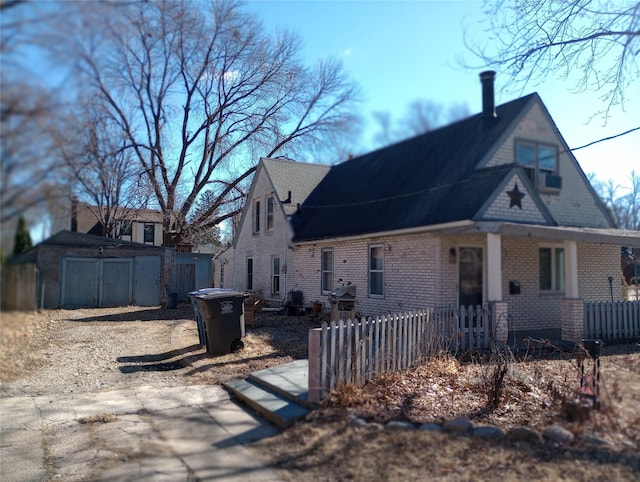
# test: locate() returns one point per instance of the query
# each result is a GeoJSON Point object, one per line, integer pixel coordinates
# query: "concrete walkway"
{"type": "Point", "coordinates": [180, 433]}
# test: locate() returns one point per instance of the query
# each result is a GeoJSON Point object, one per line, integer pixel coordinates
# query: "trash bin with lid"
{"type": "Point", "coordinates": [202, 333]}
{"type": "Point", "coordinates": [222, 314]}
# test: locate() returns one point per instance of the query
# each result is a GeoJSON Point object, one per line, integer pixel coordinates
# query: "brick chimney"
{"type": "Point", "coordinates": [488, 99]}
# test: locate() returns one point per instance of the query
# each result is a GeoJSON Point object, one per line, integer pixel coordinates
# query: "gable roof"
{"type": "Point", "coordinates": [298, 177]}
{"type": "Point", "coordinates": [429, 179]}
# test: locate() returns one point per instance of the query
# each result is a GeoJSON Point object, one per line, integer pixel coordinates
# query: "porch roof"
{"type": "Point", "coordinates": [619, 237]}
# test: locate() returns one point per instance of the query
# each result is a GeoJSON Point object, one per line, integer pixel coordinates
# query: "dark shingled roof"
{"type": "Point", "coordinates": [429, 179]}
{"type": "Point", "coordinates": [72, 239]}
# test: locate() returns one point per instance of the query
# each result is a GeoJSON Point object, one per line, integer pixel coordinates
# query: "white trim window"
{"type": "Point", "coordinates": [149, 233]}
{"type": "Point", "coordinates": [540, 160]}
{"type": "Point", "coordinates": [249, 273]}
{"type": "Point", "coordinates": [269, 214]}
{"type": "Point", "coordinates": [376, 270]}
{"type": "Point", "coordinates": [256, 216]}
{"type": "Point", "coordinates": [551, 265]}
{"type": "Point", "coordinates": [275, 278]}
{"type": "Point", "coordinates": [327, 271]}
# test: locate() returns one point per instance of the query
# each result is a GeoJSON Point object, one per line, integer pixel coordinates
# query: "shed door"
{"type": "Point", "coordinates": [116, 282]}
{"type": "Point", "coordinates": [470, 276]}
{"type": "Point", "coordinates": [147, 281]}
{"type": "Point", "coordinates": [80, 283]}
{"type": "Point", "coordinates": [185, 280]}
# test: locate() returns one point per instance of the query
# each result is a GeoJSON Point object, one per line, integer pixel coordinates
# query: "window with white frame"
{"type": "Point", "coordinates": [540, 161]}
{"type": "Point", "coordinates": [249, 273]}
{"type": "Point", "coordinates": [149, 233]}
{"type": "Point", "coordinates": [551, 268]}
{"type": "Point", "coordinates": [269, 224]}
{"type": "Point", "coordinates": [256, 217]}
{"type": "Point", "coordinates": [126, 231]}
{"type": "Point", "coordinates": [376, 270]}
{"type": "Point", "coordinates": [275, 279]}
{"type": "Point", "coordinates": [327, 270]}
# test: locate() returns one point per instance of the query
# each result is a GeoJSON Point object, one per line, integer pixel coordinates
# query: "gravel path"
{"type": "Point", "coordinates": [63, 352]}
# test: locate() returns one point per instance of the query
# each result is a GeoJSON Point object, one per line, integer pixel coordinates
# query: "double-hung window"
{"type": "Point", "coordinates": [327, 271]}
{"type": "Point", "coordinates": [275, 279]}
{"type": "Point", "coordinates": [269, 224]}
{"type": "Point", "coordinates": [126, 231]}
{"type": "Point", "coordinates": [551, 268]}
{"type": "Point", "coordinates": [376, 270]}
{"type": "Point", "coordinates": [249, 273]}
{"type": "Point", "coordinates": [149, 233]}
{"type": "Point", "coordinates": [541, 163]}
{"type": "Point", "coordinates": [256, 216]}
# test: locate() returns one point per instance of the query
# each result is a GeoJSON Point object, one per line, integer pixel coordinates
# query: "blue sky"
{"type": "Point", "coordinates": [400, 51]}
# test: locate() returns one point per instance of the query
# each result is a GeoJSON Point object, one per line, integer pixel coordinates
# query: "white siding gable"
{"type": "Point", "coordinates": [575, 203]}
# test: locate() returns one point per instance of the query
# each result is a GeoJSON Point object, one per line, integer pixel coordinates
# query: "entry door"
{"type": "Point", "coordinates": [470, 276]}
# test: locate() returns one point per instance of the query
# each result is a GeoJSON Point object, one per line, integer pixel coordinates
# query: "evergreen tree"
{"type": "Point", "coordinates": [23, 238]}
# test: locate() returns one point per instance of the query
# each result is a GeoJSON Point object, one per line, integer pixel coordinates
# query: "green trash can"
{"type": "Point", "coordinates": [223, 317]}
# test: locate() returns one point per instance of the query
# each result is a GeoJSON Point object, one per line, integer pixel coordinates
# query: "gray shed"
{"type": "Point", "coordinates": [78, 270]}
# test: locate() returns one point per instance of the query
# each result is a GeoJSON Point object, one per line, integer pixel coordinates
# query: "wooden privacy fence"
{"type": "Point", "coordinates": [19, 287]}
{"type": "Point", "coordinates": [611, 320]}
{"type": "Point", "coordinates": [351, 351]}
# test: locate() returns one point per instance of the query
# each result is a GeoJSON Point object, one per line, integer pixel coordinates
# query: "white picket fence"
{"type": "Point", "coordinates": [346, 352]}
{"type": "Point", "coordinates": [611, 320]}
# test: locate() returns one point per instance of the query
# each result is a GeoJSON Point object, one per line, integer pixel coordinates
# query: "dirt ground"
{"type": "Point", "coordinates": [75, 351]}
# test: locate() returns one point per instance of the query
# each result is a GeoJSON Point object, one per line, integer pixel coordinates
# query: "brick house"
{"type": "Point", "coordinates": [490, 210]}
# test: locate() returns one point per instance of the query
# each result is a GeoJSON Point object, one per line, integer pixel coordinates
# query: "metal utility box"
{"type": "Point", "coordinates": [223, 317]}
{"type": "Point", "coordinates": [343, 303]}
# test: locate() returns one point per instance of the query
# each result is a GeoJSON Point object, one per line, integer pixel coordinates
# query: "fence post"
{"type": "Point", "coordinates": [315, 387]}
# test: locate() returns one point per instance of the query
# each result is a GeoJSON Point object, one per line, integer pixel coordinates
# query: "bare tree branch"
{"type": "Point", "coordinates": [595, 41]}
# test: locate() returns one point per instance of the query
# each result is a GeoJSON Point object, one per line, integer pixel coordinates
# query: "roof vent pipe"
{"type": "Point", "coordinates": [488, 100]}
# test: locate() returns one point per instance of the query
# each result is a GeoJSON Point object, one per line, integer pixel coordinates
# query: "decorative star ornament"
{"type": "Point", "coordinates": [515, 197]}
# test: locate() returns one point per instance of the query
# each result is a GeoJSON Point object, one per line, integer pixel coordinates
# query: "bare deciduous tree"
{"type": "Point", "coordinates": [422, 115]}
{"type": "Point", "coordinates": [199, 92]}
{"type": "Point", "coordinates": [622, 201]}
{"type": "Point", "coordinates": [100, 168]}
{"type": "Point", "coordinates": [594, 41]}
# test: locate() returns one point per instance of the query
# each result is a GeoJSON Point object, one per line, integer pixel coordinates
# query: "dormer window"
{"type": "Point", "coordinates": [540, 162]}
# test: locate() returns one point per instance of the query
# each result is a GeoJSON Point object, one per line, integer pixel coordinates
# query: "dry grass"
{"type": "Point", "coordinates": [325, 447]}
{"type": "Point", "coordinates": [99, 418]}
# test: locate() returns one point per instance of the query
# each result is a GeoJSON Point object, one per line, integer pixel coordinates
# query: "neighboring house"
{"type": "Point", "coordinates": [139, 225]}
{"type": "Point", "coordinates": [77, 270]}
{"type": "Point", "coordinates": [490, 210]}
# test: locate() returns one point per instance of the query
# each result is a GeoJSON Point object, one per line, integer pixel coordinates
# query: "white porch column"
{"type": "Point", "coordinates": [494, 267]}
{"type": "Point", "coordinates": [571, 269]}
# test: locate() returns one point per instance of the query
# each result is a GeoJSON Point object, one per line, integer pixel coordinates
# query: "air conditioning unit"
{"type": "Point", "coordinates": [552, 181]}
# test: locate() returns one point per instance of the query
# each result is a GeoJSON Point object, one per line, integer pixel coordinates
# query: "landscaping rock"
{"type": "Point", "coordinates": [595, 440]}
{"type": "Point", "coordinates": [488, 432]}
{"type": "Point", "coordinates": [399, 425]}
{"type": "Point", "coordinates": [376, 426]}
{"type": "Point", "coordinates": [356, 421]}
{"type": "Point", "coordinates": [558, 434]}
{"type": "Point", "coordinates": [523, 434]}
{"type": "Point", "coordinates": [458, 425]}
